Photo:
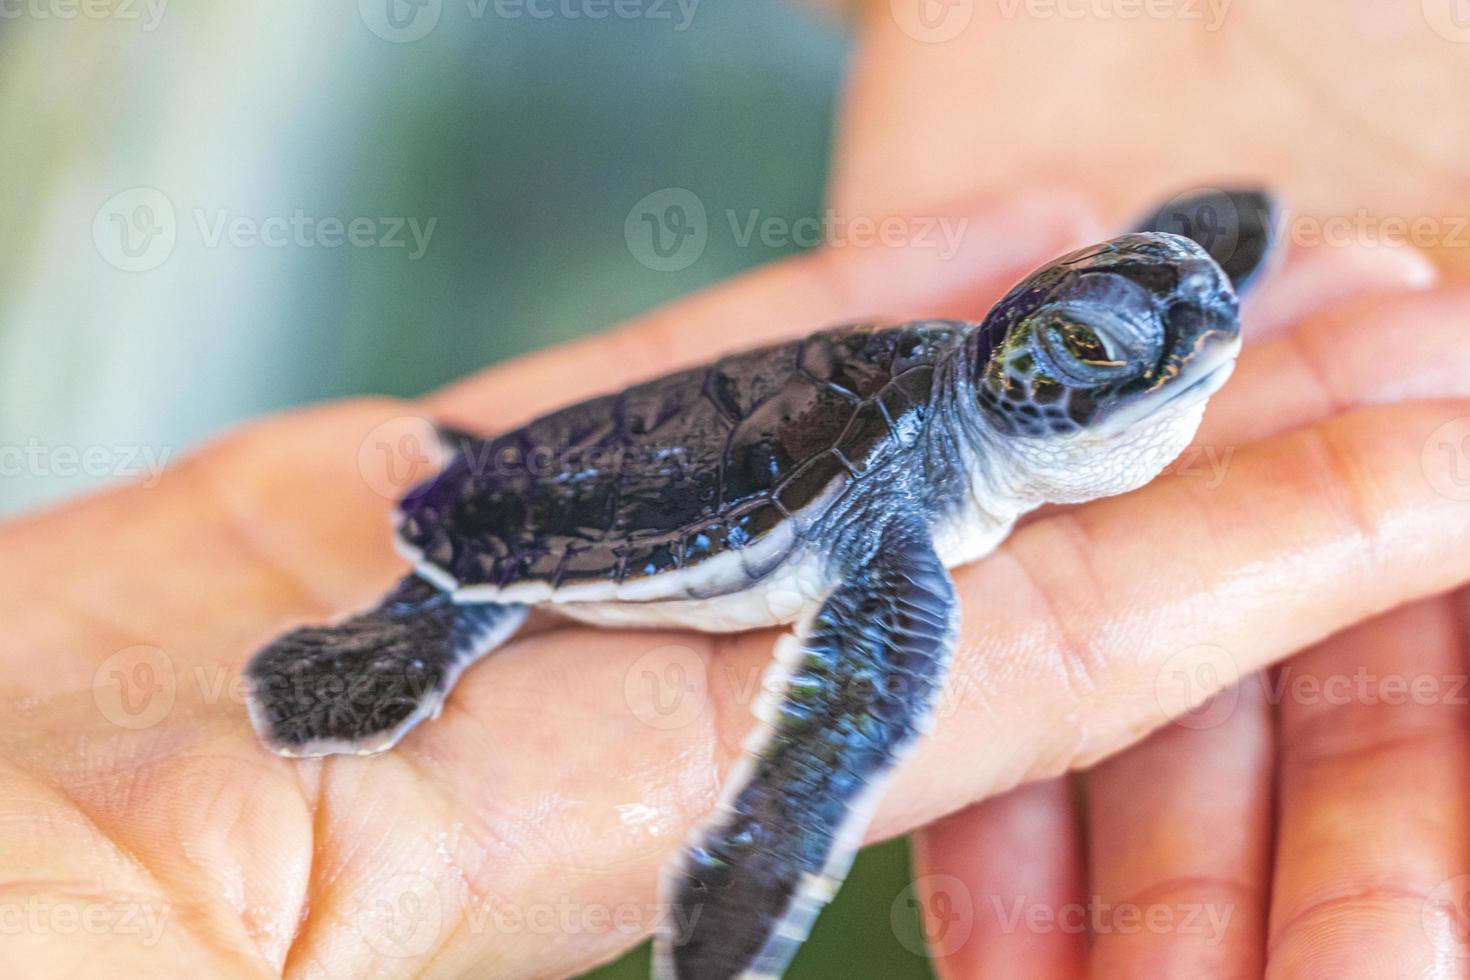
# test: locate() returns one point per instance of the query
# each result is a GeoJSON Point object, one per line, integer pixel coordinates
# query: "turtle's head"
{"type": "Point", "coordinates": [1095, 370]}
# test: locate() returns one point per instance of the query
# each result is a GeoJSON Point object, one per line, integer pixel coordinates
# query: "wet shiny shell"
{"type": "Point", "coordinates": [673, 472]}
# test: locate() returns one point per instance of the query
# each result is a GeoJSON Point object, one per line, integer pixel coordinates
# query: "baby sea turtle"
{"type": "Point", "coordinates": [851, 470]}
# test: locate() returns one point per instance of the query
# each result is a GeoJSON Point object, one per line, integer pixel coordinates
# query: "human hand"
{"type": "Point", "coordinates": [1306, 822]}
{"type": "Point", "coordinates": [521, 833]}
{"type": "Point", "coordinates": [1309, 822]}
{"type": "Point", "coordinates": [1340, 107]}
{"type": "Point", "coordinates": [1352, 858]}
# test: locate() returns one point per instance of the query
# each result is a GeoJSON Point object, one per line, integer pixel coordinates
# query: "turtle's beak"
{"type": "Point", "coordinates": [1207, 370]}
{"type": "Point", "coordinates": [1203, 330]}
{"type": "Point", "coordinates": [1202, 340]}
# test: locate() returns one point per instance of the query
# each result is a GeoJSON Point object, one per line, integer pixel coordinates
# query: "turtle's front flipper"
{"type": "Point", "coordinates": [868, 675]}
{"type": "Point", "coordinates": [358, 686]}
{"type": "Point", "coordinates": [1235, 225]}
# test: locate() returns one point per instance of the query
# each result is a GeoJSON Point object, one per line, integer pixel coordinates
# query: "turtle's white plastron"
{"type": "Point", "coordinates": [828, 482]}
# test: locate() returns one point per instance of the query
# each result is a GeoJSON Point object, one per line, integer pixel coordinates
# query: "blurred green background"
{"type": "Point", "coordinates": [177, 172]}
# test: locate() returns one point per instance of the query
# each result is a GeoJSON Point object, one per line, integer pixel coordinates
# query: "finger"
{"type": "Point", "coordinates": [1375, 349]}
{"type": "Point", "coordinates": [994, 244]}
{"type": "Point", "coordinates": [1363, 351]}
{"type": "Point", "coordinates": [1333, 361]}
{"type": "Point", "coordinates": [1002, 885]}
{"type": "Point", "coordinates": [1066, 633]}
{"type": "Point", "coordinates": [1301, 379]}
{"type": "Point", "coordinates": [1374, 843]}
{"type": "Point", "coordinates": [912, 131]}
{"type": "Point", "coordinates": [1314, 278]}
{"type": "Point", "coordinates": [1179, 834]}
{"type": "Point", "coordinates": [1308, 533]}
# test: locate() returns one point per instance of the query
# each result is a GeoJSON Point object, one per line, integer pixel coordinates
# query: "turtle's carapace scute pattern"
{"type": "Point", "coordinates": [677, 471]}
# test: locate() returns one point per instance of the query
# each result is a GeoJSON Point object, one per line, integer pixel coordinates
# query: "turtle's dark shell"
{"type": "Point", "coordinates": [675, 471]}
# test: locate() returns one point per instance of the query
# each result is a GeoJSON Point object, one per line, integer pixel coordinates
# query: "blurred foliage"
{"type": "Point", "coordinates": [525, 140]}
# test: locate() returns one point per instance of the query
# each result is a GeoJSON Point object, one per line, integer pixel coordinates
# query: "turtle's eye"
{"type": "Point", "coordinates": [1096, 329]}
{"type": "Point", "coordinates": [1082, 353]}
{"type": "Point", "coordinates": [1084, 344]}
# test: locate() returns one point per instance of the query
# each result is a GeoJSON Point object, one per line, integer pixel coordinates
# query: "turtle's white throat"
{"type": "Point", "coordinates": [1204, 375]}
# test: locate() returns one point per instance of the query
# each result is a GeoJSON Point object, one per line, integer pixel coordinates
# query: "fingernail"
{"type": "Point", "coordinates": [1314, 278]}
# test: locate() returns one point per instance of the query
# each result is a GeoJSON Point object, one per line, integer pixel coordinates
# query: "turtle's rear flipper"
{"type": "Point", "coordinates": [1235, 225]}
{"type": "Point", "coordinates": [869, 674]}
{"type": "Point", "coordinates": [358, 686]}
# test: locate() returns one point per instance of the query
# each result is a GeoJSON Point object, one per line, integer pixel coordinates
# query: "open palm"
{"type": "Point", "coordinates": [521, 833]}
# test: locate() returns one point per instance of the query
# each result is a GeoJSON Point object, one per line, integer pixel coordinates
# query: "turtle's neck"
{"type": "Point", "coordinates": [977, 482]}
